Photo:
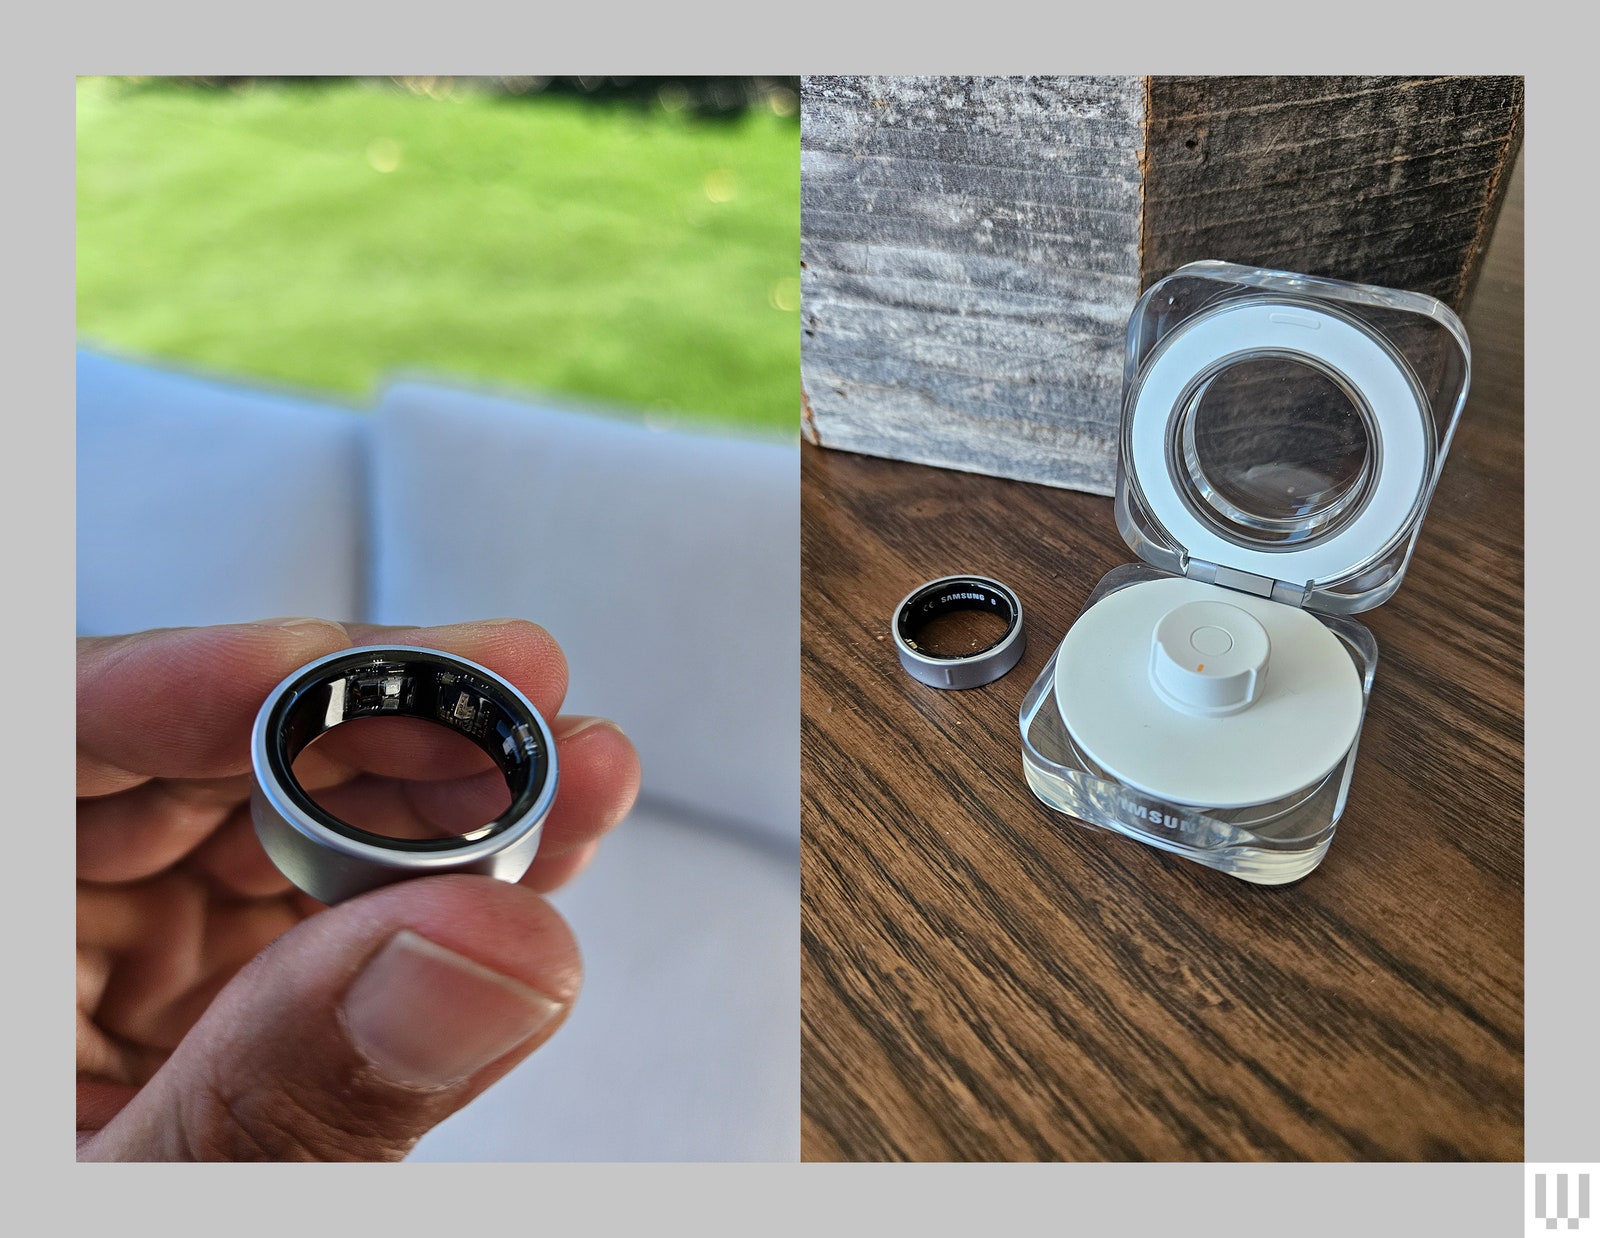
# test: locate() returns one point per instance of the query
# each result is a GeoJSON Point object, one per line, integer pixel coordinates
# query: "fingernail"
{"type": "Point", "coordinates": [577, 724]}
{"type": "Point", "coordinates": [427, 1017]}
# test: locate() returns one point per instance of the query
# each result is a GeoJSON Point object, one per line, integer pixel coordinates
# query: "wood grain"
{"type": "Point", "coordinates": [1387, 180]}
{"type": "Point", "coordinates": [985, 979]}
{"type": "Point", "coordinates": [971, 246]}
{"type": "Point", "coordinates": [969, 254]}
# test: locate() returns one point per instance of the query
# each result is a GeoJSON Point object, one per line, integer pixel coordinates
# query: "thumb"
{"type": "Point", "coordinates": [358, 1030]}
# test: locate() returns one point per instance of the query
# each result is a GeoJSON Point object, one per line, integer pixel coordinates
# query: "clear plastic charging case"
{"type": "Point", "coordinates": [1281, 438]}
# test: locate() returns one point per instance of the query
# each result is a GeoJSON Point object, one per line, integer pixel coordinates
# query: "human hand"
{"type": "Point", "coordinates": [224, 1015]}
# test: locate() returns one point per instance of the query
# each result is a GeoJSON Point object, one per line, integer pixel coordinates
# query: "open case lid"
{"type": "Point", "coordinates": [1282, 434]}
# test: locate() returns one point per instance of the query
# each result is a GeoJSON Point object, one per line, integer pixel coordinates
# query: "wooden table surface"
{"type": "Point", "coordinates": [983, 978]}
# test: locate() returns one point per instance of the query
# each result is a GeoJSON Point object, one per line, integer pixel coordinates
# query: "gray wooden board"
{"type": "Point", "coordinates": [970, 252]}
{"type": "Point", "coordinates": [971, 247]}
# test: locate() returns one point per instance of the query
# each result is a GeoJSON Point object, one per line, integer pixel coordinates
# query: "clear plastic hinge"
{"type": "Point", "coordinates": [1246, 582]}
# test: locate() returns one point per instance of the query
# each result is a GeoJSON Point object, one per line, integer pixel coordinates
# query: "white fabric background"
{"type": "Point", "coordinates": [201, 501]}
{"type": "Point", "coordinates": [666, 564]}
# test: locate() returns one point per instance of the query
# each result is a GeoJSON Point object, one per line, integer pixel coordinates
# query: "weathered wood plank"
{"type": "Point", "coordinates": [1387, 181]}
{"type": "Point", "coordinates": [1009, 108]}
{"type": "Point", "coordinates": [1021, 342]}
{"type": "Point", "coordinates": [971, 180]}
{"type": "Point", "coordinates": [970, 281]}
{"type": "Point", "coordinates": [970, 250]}
{"type": "Point", "coordinates": [972, 247]}
{"type": "Point", "coordinates": [1052, 251]}
{"type": "Point", "coordinates": [1067, 137]}
{"type": "Point", "coordinates": [1070, 217]}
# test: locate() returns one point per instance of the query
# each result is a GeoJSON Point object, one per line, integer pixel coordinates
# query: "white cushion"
{"type": "Point", "coordinates": [205, 502]}
{"type": "Point", "coordinates": [666, 564]}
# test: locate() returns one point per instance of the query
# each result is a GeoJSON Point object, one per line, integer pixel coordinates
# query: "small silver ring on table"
{"type": "Point", "coordinates": [952, 593]}
{"type": "Point", "coordinates": [331, 859]}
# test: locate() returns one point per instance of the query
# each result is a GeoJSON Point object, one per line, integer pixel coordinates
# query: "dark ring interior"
{"type": "Point", "coordinates": [944, 596]}
{"type": "Point", "coordinates": [404, 684]}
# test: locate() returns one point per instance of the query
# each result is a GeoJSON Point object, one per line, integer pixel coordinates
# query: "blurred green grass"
{"type": "Point", "coordinates": [330, 235]}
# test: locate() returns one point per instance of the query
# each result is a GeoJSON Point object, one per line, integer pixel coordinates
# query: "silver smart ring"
{"type": "Point", "coordinates": [333, 860]}
{"type": "Point", "coordinates": [952, 593]}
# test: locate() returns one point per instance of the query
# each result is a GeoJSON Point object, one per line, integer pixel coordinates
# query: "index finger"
{"type": "Point", "coordinates": [180, 702]}
{"type": "Point", "coordinates": [521, 652]}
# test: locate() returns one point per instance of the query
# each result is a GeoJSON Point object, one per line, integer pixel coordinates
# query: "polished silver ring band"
{"type": "Point", "coordinates": [333, 860]}
{"type": "Point", "coordinates": [952, 593]}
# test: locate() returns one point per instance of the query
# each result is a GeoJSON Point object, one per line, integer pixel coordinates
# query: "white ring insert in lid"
{"type": "Point", "coordinates": [1245, 328]}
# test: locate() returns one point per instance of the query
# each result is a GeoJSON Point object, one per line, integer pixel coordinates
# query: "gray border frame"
{"type": "Point", "coordinates": [1008, 37]}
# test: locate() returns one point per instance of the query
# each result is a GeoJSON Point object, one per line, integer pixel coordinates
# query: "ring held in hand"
{"type": "Point", "coordinates": [333, 860]}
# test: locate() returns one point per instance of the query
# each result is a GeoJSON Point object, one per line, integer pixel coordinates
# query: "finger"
{"type": "Point", "coordinates": [521, 652]}
{"type": "Point", "coordinates": [142, 830]}
{"type": "Point", "coordinates": [359, 1030]}
{"type": "Point", "coordinates": [180, 702]}
{"type": "Point", "coordinates": [551, 872]}
{"type": "Point", "coordinates": [393, 808]}
{"type": "Point", "coordinates": [100, 1101]}
{"type": "Point", "coordinates": [599, 782]}
{"type": "Point", "coordinates": [515, 649]}
{"type": "Point", "coordinates": [170, 947]}
{"type": "Point", "coordinates": [232, 861]}
{"type": "Point", "coordinates": [393, 747]}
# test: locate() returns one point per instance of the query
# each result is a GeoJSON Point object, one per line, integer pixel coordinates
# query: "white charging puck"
{"type": "Point", "coordinates": [1206, 696]}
